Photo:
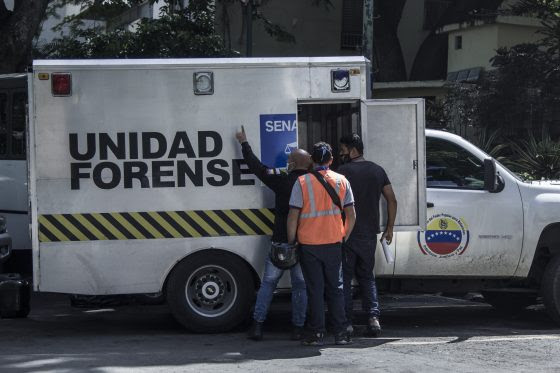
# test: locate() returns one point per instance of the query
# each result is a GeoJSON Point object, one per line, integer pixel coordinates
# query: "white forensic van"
{"type": "Point", "coordinates": [138, 186]}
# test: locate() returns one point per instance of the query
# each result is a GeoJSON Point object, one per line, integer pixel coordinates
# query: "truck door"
{"type": "Point", "coordinates": [470, 232]}
{"type": "Point", "coordinates": [393, 136]}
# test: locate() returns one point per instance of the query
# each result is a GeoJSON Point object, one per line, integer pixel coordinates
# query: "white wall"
{"type": "Point", "coordinates": [481, 42]}
{"type": "Point", "coordinates": [510, 35]}
{"type": "Point", "coordinates": [479, 45]}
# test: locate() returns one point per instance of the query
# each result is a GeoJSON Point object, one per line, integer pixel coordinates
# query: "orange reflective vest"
{"type": "Point", "coordinates": [320, 220]}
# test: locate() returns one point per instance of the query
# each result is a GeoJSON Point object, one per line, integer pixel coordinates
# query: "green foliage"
{"type": "Point", "coordinates": [435, 114]}
{"type": "Point", "coordinates": [491, 142]}
{"type": "Point", "coordinates": [515, 101]}
{"type": "Point", "coordinates": [179, 32]}
{"type": "Point", "coordinates": [187, 32]}
{"type": "Point", "coordinates": [274, 30]}
{"type": "Point", "coordinates": [460, 107]}
{"type": "Point", "coordinates": [523, 90]}
{"type": "Point", "coordinates": [521, 93]}
{"type": "Point", "coordinates": [536, 159]}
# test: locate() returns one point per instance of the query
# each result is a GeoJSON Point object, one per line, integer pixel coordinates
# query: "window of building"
{"type": "Point", "coordinates": [352, 16]}
{"type": "Point", "coordinates": [459, 42]}
{"type": "Point", "coordinates": [467, 75]}
{"type": "Point", "coordinates": [449, 166]}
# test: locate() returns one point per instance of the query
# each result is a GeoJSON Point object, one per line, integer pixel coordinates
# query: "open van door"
{"type": "Point", "coordinates": [393, 136]}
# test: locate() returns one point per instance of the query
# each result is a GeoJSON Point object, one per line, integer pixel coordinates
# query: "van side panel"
{"type": "Point", "coordinates": [131, 170]}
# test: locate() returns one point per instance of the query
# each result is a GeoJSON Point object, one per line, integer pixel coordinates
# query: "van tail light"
{"type": "Point", "coordinates": [61, 84]}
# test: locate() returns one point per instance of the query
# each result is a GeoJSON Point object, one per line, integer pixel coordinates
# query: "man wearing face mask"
{"type": "Point", "coordinates": [368, 181]}
{"type": "Point", "coordinates": [299, 162]}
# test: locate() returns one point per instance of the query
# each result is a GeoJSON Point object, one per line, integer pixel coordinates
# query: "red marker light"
{"type": "Point", "coordinates": [61, 84]}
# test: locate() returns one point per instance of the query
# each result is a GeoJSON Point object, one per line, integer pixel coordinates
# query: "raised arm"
{"type": "Point", "coordinates": [265, 174]}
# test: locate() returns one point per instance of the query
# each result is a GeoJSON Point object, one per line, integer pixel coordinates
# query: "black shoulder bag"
{"type": "Point", "coordinates": [331, 191]}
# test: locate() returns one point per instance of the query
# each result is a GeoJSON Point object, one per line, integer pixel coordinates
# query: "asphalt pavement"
{"type": "Point", "coordinates": [421, 334]}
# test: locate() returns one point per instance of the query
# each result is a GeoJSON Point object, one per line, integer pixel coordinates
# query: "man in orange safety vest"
{"type": "Point", "coordinates": [318, 204]}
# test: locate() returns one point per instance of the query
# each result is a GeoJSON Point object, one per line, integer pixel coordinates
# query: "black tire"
{"type": "Point", "coordinates": [509, 302]}
{"type": "Point", "coordinates": [210, 292]}
{"type": "Point", "coordinates": [550, 288]}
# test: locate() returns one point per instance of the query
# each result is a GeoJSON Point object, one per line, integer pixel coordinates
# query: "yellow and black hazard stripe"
{"type": "Point", "coordinates": [155, 224]}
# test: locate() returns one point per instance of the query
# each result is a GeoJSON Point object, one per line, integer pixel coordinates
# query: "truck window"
{"type": "Point", "coordinates": [452, 167]}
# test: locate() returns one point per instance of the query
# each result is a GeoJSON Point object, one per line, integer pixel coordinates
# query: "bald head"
{"type": "Point", "coordinates": [301, 159]}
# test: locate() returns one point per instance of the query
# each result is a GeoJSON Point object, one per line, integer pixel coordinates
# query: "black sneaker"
{"type": "Point", "coordinates": [297, 333]}
{"type": "Point", "coordinates": [373, 328]}
{"type": "Point", "coordinates": [342, 338]}
{"type": "Point", "coordinates": [313, 339]}
{"type": "Point", "coordinates": [256, 331]}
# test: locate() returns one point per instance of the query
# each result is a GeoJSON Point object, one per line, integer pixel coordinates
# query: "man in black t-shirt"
{"type": "Point", "coordinates": [368, 181]}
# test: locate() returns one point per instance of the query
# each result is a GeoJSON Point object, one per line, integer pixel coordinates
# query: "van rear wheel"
{"type": "Point", "coordinates": [210, 292]}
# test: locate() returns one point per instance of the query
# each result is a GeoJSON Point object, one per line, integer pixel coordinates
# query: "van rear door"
{"type": "Point", "coordinates": [393, 135]}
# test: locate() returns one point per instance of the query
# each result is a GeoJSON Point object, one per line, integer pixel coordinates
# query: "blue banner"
{"type": "Point", "coordinates": [278, 138]}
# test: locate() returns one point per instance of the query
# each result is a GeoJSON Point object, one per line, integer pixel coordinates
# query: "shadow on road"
{"type": "Point", "coordinates": [57, 337]}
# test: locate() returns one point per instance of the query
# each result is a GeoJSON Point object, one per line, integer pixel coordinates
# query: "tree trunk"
{"type": "Point", "coordinates": [389, 60]}
{"type": "Point", "coordinates": [17, 29]}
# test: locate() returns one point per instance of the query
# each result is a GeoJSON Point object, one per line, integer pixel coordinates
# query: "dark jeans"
{"type": "Point", "coordinates": [322, 270]}
{"type": "Point", "coordinates": [359, 260]}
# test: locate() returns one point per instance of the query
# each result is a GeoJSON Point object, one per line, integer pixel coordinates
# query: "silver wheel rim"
{"type": "Point", "coordinates": [211, 291]}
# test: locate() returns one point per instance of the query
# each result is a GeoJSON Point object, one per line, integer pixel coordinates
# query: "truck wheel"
{"type": "Point", "coordinates": [509, 302]}
{"type": "Point", "coordinates": [550, 288]}
{"type": "Point", "coordinates": [211, 292]}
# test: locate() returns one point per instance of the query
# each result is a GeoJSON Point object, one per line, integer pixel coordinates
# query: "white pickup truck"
{"type": "Point", "coordinates": [487, 230]}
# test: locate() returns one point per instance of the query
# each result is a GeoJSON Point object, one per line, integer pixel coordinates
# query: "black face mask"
{"type": "Point", "coordinates": [345, 158]}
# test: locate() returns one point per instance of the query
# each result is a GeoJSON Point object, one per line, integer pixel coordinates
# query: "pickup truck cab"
{"type": "Point", "coordinates": [487, 230]}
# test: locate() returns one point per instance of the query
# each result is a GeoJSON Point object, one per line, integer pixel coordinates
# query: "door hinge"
{"type": "Point", "coordinates": [415, 165]}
